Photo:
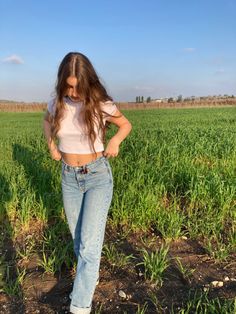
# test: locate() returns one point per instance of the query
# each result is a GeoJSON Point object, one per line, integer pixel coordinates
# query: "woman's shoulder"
{"type": "Point", "coordinates": [108, 106]}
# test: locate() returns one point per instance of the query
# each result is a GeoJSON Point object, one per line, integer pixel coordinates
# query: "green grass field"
{"type": "Point", "coordinates": [175, 175]}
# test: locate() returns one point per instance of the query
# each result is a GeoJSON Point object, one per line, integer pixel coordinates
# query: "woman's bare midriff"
{"type": "Point", "coordinates": [79, 159]}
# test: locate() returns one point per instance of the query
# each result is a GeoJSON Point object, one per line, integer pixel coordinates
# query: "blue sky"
{"type": "Point", "coordinates": [157, 48]}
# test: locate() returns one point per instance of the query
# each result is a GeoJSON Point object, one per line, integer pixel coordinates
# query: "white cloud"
{"type": "Point", "coordinates": [189, 49]}
{"type": "Point", "coordinates": [14, 59]}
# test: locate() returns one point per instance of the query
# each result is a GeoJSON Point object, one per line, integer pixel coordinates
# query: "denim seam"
{"type": "Point", "coordinates": [108, 170]}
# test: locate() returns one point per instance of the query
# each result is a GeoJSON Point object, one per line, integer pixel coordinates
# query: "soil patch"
{"type": "Point", "coordinates": [45, 293]}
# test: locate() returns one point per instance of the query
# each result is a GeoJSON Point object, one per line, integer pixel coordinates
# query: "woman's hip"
{"type": "Point", "coordinates": [97, 173]}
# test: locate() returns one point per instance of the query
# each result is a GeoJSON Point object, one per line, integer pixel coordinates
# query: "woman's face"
{"type": "Point", "coordinates": [71, 92]}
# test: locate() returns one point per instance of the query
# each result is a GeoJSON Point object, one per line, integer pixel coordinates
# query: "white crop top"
{"type": "Point", "coordinates": [71, 135]}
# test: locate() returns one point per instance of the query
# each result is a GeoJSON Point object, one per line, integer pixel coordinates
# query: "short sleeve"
{"type": "Point", "coordinates": [51, 106]}
{"type": "Point", "coordinates": [108, 107]}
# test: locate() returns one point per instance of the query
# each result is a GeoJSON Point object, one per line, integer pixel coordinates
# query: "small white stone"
{"type": "Point", "coordinates": [226, 278]}
{"type": "Point", "coordinates": [205, 289]}
{"type": "Point", "coordinates": [184, 238]}
{"type": "Point", "coordinates": [217, 284]}
{"type": "Point", "coordinates": [122, 294]}
{"type": "Point", "coordinates": [233, 279]}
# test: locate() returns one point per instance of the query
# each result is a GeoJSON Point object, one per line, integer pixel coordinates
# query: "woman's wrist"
{"type": "Point", "coordinates": [115, 139]}
{"type": "Point", "coordinates": [52, 147]}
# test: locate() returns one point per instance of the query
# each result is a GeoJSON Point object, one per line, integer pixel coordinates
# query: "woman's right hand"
{"type": "Point", "coordinates": [55, 154]}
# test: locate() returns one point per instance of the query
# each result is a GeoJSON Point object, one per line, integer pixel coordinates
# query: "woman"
{"type": "Point", "coordinates": [78, 117]}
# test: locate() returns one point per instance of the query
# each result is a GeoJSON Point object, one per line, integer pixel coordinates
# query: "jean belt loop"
{"type": "Point", "coordinates": [84, 170]}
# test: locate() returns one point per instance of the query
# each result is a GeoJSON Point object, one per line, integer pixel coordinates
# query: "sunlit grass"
{"type": "Point", "coordinates": [176, 174]}
{"type": "Point", "coordinates": [155, 264]}
{"type": "Point", "coordinates": [200, 302]}
{"type": "Point", "coordinates": [114, 257]}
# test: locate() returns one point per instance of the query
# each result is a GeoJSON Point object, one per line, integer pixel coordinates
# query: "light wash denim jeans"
{"type": "Point", "coordinates": [87, 194]}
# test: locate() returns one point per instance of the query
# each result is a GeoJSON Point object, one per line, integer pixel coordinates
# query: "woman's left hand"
{"type": "Point", "coordinates": [112, 148]}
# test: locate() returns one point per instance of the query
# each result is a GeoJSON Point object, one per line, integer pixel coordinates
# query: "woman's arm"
{"type": "Point", "coordinates": [124, 126]}
{"type": "Point", "coordinates": [55, 153]}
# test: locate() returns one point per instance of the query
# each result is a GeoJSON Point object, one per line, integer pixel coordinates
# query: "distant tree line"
{"type": "Point", "coordinates": [180, 98]}
{"type": "Point", "coordinates": [141, 99]}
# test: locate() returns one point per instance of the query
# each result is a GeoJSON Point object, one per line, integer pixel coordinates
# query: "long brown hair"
{"type": "Point", "coordinates": [90, 91]}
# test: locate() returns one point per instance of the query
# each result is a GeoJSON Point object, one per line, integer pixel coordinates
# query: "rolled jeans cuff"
{"type": "Point", "coordinates": [80, 310]}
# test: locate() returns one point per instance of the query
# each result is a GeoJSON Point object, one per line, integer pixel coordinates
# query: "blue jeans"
{"type": "Point", "coordinates": [87, 194]}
